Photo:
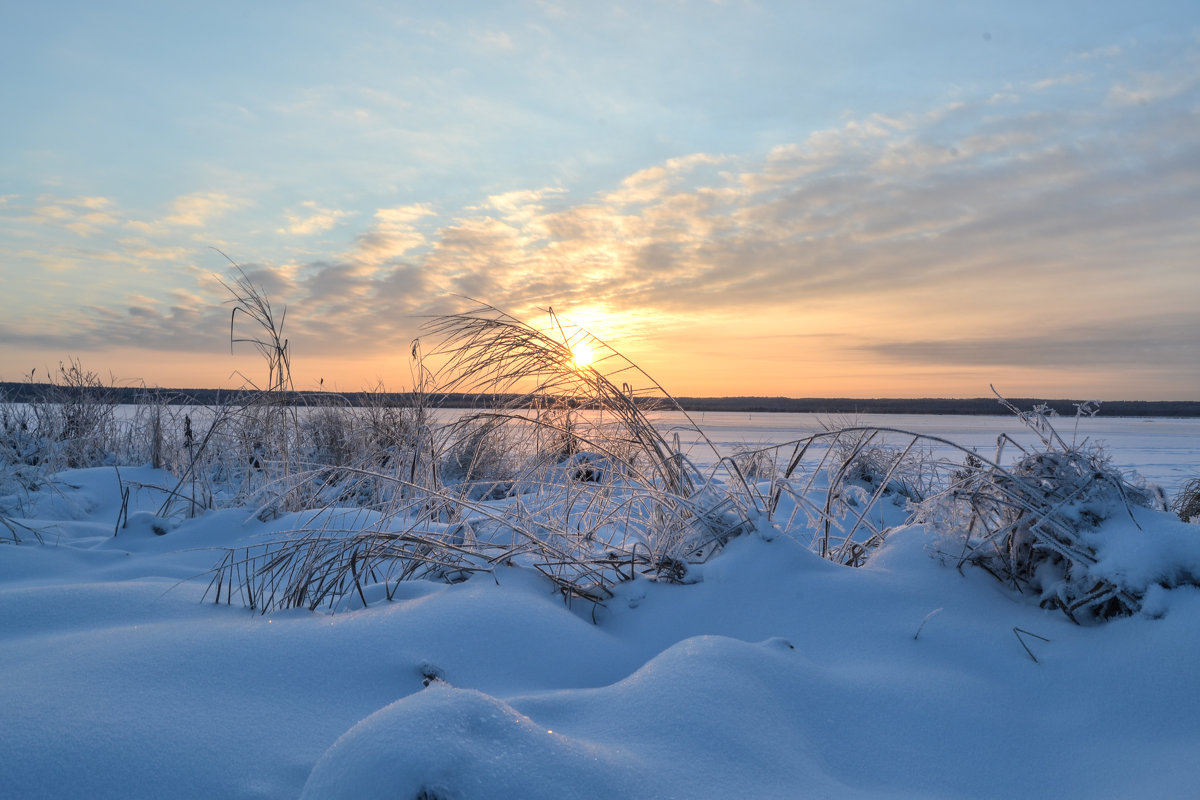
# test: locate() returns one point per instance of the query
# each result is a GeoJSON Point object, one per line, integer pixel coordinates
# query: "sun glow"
{"type": "Point", "coordinates": [582, 355]}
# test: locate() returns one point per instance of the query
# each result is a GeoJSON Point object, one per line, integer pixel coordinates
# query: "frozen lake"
{"type": "Point", "coordinates": [1163, 450]}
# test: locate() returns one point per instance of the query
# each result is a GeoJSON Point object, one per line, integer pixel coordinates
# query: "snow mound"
{"type": "Point", "coordinates": [709, 716]}
{"type": "Point", "coordinates": [446, 743]}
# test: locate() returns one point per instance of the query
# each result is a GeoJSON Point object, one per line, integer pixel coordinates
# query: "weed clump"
{"type": "Point", "coordinates": [1186, 504]}
{"type": "Point", "coordinates": [1039, 525]}
{"type": "Point", "coordinates": [563, 472]}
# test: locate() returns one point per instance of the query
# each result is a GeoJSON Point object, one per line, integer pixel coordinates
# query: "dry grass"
{"type": "Point", "coordinates": [847, 488]}
{"type": "Point", "coordinates": [1186, 504]}
{"type": "Point", "coordinates": [567, 475]}
{"type": "Point", "coordinates": [1029, 524]}
{"type": "Point", "coordinates": [570, 477]}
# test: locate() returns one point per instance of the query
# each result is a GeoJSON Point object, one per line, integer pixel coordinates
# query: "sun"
{"type": "Point", "coordinates": [582, 355]}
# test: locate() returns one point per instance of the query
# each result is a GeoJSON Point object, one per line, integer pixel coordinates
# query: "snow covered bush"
{"type": "Point", "coordinates": [861, 458]}
{"type": "Point", "coordinates": [756, 463]}
{"type": "Point", "coordinates": [19, 447]}
{"type": "Point", "coordinates": [1044, 524]}
{"type": "Point", "coordinates": [480, 456]}
{"type": "Point", "coordinates": [73, 423]}
{"type": "Point", "coordinates": [1186, 504]}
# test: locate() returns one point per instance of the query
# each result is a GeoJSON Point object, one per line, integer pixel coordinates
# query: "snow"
{"type": "Point", "coordinates": [773, 673]}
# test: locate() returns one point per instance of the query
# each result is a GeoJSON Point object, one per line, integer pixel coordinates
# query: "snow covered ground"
{"type": "Point", "coordinates": [774, 674]}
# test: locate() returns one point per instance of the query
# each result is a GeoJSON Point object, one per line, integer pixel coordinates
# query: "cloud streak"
{"type": "Point", "coordinates": [1135, 342]}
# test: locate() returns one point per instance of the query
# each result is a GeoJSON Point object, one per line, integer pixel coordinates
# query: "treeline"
{"type": "Point", "coordinates": [27, 392]}
{"type": "Point", "coordinates": [976, 406]}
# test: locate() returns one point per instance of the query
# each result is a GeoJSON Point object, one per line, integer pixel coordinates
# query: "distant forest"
{"type": "Point", "coordinates": [33, 392]}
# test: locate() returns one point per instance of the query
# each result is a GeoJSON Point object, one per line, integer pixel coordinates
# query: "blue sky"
{"type": "Point", "coordinates": [866, 199]}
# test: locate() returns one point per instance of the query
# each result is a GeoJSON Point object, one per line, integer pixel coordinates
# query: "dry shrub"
{"type": "Point", "coordinates": [479, 456]}
{"type": "Point", "coordinates": [896, 471]}
{"type": "Point", "coordinates": [847, 488]}
{"type": "Point", "coordinates": [1186, 504]}
{"type": "Point", "coordinates": [756, 463]}
{"type": "Point", "coordinates": [1034, 525]}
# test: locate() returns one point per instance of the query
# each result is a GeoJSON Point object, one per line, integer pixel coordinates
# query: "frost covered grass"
{"type": "Point", "coordinates": [1187, 502]}
{"type": "Point", "coordinates": [745, 624]}
{"type": "Point", "coordinates": [567, 475]}
{"type": "Point", "coordinates": [1039, 524]}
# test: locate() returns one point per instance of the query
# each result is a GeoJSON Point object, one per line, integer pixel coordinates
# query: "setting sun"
{"type": "Point", "coordinates": [582, 355]}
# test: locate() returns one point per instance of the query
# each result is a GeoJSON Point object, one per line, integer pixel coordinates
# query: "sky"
{"type": "Point", "coordinates": [804, 199]}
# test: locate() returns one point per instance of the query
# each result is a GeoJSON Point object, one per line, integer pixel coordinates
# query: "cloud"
{"type": "Point", "coordinates": [393, 234]}
{"type": "Point", "coordinates": [653, 183]}
{"type": "Point", "coordinates": [1116, 344]}
{"type": "Point", "coordinates": [947, 217]}
{"type": "Point", "coordinates": [1022, 232]}
{"type": "Point", "coordinates": [642, 186]}
{"type": "Point", "coordinates": [522, 205]}
{"type": "Point", "coordinates": [553, 10]}
{"type": "Point", "coordinates": [1001, 98]}
{"type": "Point", "coordinates": [1107, 51]}
{"type": "Point", "coordinates": [496, 41]}
{"type": "Point", "coordinates": [404, 215]}
{"type": "Point", "coordinates": [83, 216]}
{"type": "Point", "coordinates": [199, 328]}
{"type": "Point", "coordinates": [141, 249]}
{"type": "Point", "coordinates": [1069, 79]}
{"type": "Point", "coordinates": [1147, 86]}
{"type": "Point", "coordinates": [313, 219]}
{"type": "Point", "coordinates": [196, 210]}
